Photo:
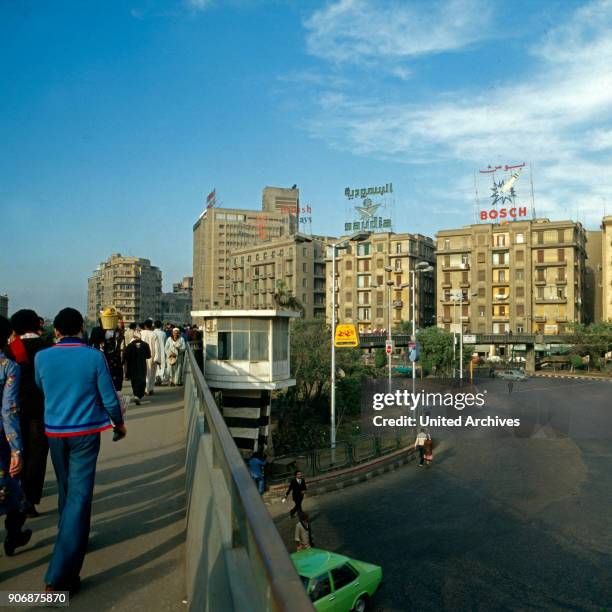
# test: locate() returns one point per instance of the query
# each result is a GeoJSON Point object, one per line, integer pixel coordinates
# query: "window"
{"type": "Point", "coordinates": [319, 587]}
{"type": "Point", "coordinates": [481, 257]}
{"type": "Point", "coordinates": [398, 264]}
{"type": "Point", "coordinates": [348, 264]}
{"type": "Point", "coordinates": [379, 313]}
{"type": "Point", "coordinates": [502, 276]}
{"type": "Point", "coordinates": [520, 238]}
{"type": "Point", "coordinates": [447, 261]}
{"type": "Point", "coordinates": [379, 280]}
{"type": "Point", "coordinates": [560, 235]}
{"type": "Point", "coordinates": [520, 292]}
{"type": "Point", "coordinates": [363, 281]}
{"type": "Point", "coordinates": [447, 243]}
{"type": "Point", "coordinates": [560, 254]}
{"type": "Point", "coordinates": [447, 278]}
{"type": "Point", "coordinates": [379, 298]}
{"type": "Point", "coordinates": [500, 259]}
{"type": "Point", "coordinates": [520, 310]}
{"type": "Point", "coordinates": [343, 575]}
{"type": "Point", "coordinates": [364, 314]}
{"type": "Point", "coordinates": [363, 248]}
{"type": "Point", "coordinates": [520, 274]}
{"type": "Point", "coordinates": [465, 260]}
{"type": "Point", "coordinates": [540, 256]}
{"type": "Point", "coordinates": [481, 275]}
{"type": "Point", "coordinates": [481, 311]}
{"type": "Point", "coordinates": [243, 340]}
{"type": "Point", "coordinates": [481, 292]}
{"type": "Point", "coordinates": [520, 255]}
{"type": "Point", "coordinates": [398, 248]}
{"type": "Point", "coordinates": [520, 329]}
{"type": "Point", "coordinates": [380, 262]}
{"type": "Point", "coordinates": [348, 296]}
{"type": "Point", "coordinates": [379, 247]}
{"type": "Point", "coordinates": [500, 240]}
{"type": "Point", "coordinates": [348, 313]}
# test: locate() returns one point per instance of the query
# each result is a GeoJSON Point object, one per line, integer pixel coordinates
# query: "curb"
{"type": "Point", "coordinates": [573, 377]}
{"type": "Point", "coordinates": [348, 477]}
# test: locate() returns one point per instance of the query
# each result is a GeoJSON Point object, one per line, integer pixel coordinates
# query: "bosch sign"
{"type": "Point", "coordinates": [516, 212]}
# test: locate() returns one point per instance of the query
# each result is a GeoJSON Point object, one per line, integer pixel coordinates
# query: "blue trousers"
{"type": "Point", "coordinates": [74, 460]}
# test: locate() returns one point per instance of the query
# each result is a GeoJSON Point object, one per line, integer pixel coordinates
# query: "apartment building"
{"type": "Point", "coordinates": [606, 268]}
{"type": "Point", "coordinates": [4, 305]}
{"type": "Point", "coordinates": [293, 266]}
{"type": "Point", "coordinates": [221, 231]}
{"type": "Point", "coordinates": [524, 276]}
{"type": "Point", "coordinates": [131, 284]}
{"type": "Point", "coordinates": [593, 307]}
{"type": "Point", "coordinates": [375, 274]}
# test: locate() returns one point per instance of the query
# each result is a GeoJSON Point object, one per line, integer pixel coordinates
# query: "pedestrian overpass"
{"type": "Point", "coordinates": [529, 340]}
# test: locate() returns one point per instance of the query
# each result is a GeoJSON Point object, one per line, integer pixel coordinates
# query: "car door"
{"type": "Point", "coordinates": [346, 586]}
{"type": "Point", "coordinates": [321, 594]}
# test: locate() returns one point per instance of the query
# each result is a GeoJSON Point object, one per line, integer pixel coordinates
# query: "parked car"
{"type": "Point", "coordinates": [511, 375]}
{"type": "Point", "coordinates": [336, 583]}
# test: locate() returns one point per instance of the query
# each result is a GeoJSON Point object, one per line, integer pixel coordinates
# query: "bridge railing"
{"type": "Point", "coordinates": [235, 558]}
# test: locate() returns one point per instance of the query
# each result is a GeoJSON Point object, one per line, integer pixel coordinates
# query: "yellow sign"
{"type": "Point", "coordinates": [346, 335]}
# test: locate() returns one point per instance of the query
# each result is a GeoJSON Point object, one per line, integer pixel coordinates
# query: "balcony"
{"type": "Point", "coordinates": [563, 262]}
{"type": "Point", "coordinates": [500, 283]}
{"type": "Point", "coordinates": [455, 267]}
{"type": "Point", "coordinates": [539, 281]}
{"type": "Point", "coordinates": [447, 285]}
{"type": "Point", "coordinates": [539, 318]}
{"type": "Point", "coordinates": [464, 284]}
{"type": "Point", "coordinates": [447, 319]}
{"type": "Point", "coordinates": [551, 300]}
{"type": "Point", "coordinates": [500, 317]}
{"type": "Point", "coordinates": [500, 298]}
{"type": "Point", "coordinates": [561, 319]}
{"type": "Point", "coordinates": [561, 281]}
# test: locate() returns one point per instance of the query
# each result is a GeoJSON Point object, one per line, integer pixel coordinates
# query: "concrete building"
{"type": "Point", "coordinates": [183, 286]}
{"type": "Point", "coordinates": [293, 266]}
{"type": "Point", "coordinates": [280, 199]}
{"type": "Point", "coordinates": [176, 306]}
{"type": "Point", "coordinates": [524, 276]}
{"type": "Point", "coordinates": [221, 231]}
{"type": "Point", "coordinates": [4, 305]}
{"type": "Point", "coordinates": [606, 268]}
{"type": "Point", "coordinates": [131, 284]}
{"type": "Point", "coordinates": [370, 273]}
{"type": "Point", "coordinates": [593, 307]}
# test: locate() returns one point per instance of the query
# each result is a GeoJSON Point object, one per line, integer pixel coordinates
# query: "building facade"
{"type": "Point", "coordinates": [606, 268]}
{"type": "Point", "coordinates": [593, 307]}
{"type": "Point", "coordinates": [524, 276]}
{"type": "Point", "coordinates": [176, 308]}
{"type": "Point", "coordinates": [4, 305]}
{"type": "Point", "coordinates": [375, 274]}
{"type": "Point", "coordinates": [292, 266]}
{"type": "Point", "coordinates": [131, 284]}
{"type": "Point", "coordinates": [221, 231]}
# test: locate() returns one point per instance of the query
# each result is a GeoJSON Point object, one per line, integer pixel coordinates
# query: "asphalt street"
{"type": "Point", "coordinates": [509, 521]}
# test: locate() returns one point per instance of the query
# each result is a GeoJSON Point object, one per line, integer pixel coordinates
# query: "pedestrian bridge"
{"type": "Point", "coordinates": [177, 522]}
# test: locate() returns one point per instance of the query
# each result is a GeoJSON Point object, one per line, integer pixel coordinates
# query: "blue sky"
{"type": "Point", "coordinates": [117, 118]}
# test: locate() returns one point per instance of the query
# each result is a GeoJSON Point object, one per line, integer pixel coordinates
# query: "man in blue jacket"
{"type": "Point", "coordinates": [80, 402]}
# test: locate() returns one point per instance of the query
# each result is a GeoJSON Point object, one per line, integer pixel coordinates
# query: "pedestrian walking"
{"type": "Point", "coordinates": [148, 336]}
{"type": "Point", "coordinates": [175, 357]}
{"type": "Point", "coordinates": [12, 499]}
{"type": "Point", "coordinates": [109, 343]}
{"type": "Point", "coordinates": [256, 465]}
{"type": "Point", "coordinates": [303, 532]}
{"type": "Point", "coordinates": [428, 450]}
{"type": "Point", "coordinates": [419, 445]}
{"type": "Point", "coordinates": [510, 387]}
{"type": "Point", "coordinates": [297, 488]}
{"type": "Point", "coordinates": [135, 359]}
{"type": "Point", "coordinates": [27, 343]}
{"type": "Point", "coordinates": [80, 402]}
{"type": "Point", "coordinates": [160, 374]}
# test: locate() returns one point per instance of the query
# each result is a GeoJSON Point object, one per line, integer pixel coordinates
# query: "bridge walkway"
{"type": "Point", "coordinates": [136, 550]}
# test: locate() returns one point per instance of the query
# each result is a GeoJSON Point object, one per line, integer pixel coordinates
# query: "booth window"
{"type": "Point", "coordinates": [243, 339]}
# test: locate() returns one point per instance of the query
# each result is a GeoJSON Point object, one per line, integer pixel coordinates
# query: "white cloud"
{"type": "Point", "coordinates": [199, 5]}
{"type": "Point", "coordinates": [362, 31]}
{"type": "Point", "coordinates": [559, 117]}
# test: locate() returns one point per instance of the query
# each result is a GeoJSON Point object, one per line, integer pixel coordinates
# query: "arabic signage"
{"type": "Point", "coordinates": [364, 192]}
{"type": "Point", "coordinates": [346, 336]}
{"type": "Point", "coordinates": [368, 219]}
{"type": "Point", "coordinates": [503, 204]}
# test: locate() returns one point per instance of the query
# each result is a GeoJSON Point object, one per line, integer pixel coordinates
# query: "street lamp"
{"type": "Point", "coordinates": [343, 244]}
{"type": "Point", "coordinates": [421, 267]}
{"type": "Point", "coordinates": [458, 296]}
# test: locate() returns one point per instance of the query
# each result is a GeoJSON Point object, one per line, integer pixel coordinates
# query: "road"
{"type": "Point", "coordinates": [498, 522]}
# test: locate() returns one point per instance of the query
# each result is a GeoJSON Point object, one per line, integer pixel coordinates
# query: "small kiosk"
{"type": "Point", "coordinates": [246, 357]}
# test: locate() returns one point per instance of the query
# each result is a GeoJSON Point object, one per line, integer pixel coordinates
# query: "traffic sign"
{"type": "Point", "coordinates": [346, 335]}
{"type": "Point", "coordinates": [389, 346]}
{"type": "Point", "coordinates": [469, 339]}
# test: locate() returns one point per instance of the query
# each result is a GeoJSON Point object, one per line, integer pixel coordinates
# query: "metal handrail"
{"type": "Point", "coordinates": [285, 591]}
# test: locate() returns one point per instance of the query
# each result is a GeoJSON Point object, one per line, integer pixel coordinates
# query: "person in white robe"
{"type": "Point", "coordinates": [175, 357]}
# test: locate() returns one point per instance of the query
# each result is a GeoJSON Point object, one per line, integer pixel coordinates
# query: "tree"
{"type": "Point", "coordinates": [594, 340]}
{"type": "Point", "coordinates": [436, 349]}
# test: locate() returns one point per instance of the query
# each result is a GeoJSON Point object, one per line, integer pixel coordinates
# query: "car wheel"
{"type": "Point", "coordinates": [361, 604]}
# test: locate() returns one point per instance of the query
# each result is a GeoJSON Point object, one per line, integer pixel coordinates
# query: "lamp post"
{"type": "Point", "coordinates": [421, 267]}
{"type": "Point", "coordinates": [458, 296]}
{"type": "Point", "coordinates": [357, 237]}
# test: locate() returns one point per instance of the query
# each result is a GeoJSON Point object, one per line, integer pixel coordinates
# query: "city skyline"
{"type": "Point", "coordinates": [117, 121]}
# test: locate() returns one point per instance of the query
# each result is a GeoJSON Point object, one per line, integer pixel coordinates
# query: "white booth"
{"type": "Point", "coordinates": [246, 356]}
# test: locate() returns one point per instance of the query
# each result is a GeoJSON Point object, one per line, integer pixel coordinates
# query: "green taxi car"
{"type": "Point", "coordinates": [336, 583]}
